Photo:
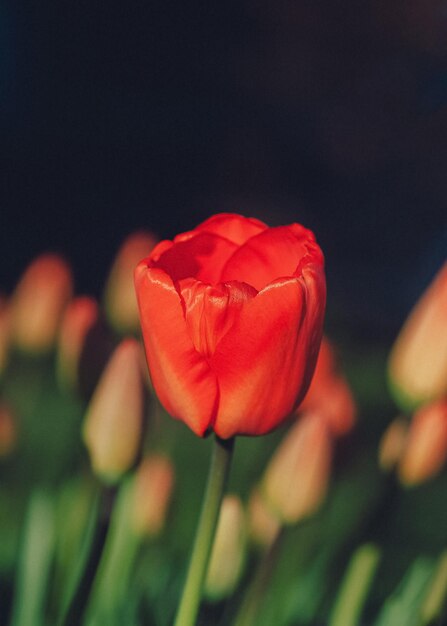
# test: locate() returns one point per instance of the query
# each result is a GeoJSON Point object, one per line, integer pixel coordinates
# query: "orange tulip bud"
{"type": "Point", "coordinates": [4, 332]}
{"type": "Point", "coordinates": [426, 448]}
{"type": "Point", "coordinates": [38, 303]}
{"type": "Point", "coordinates": [228, 552]}
{"type": "Point", "coordinates": [392, 444]}
{"type": "Point", "coordinates": [113, 425]}
{"type": "Point", "coordinates": [80, 316]}
{"type": "Point", "coordinates": [8, 431]}
{"type": "Point", "coordinates": [153, 485]}
{"type": "Point", "coordinates": [297, 477]}
{"type": "Point", "coordinates": [330, 394]}
{"type": "Point", "coordinates": [263, 524]}
{"type": "Point", "coordinates": [418, 361]}
{"type": "Point", "coordinates": [119, 296]}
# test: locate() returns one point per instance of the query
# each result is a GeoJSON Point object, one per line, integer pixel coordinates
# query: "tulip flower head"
{"type": "Point", "coordinates": [426, 447]}
{"type": "Point", "coordinates": [232, 315]}
{"type": "Point", "coordinates": [330, 394]}
{"type": "Point", "coordinates": [392, 444]}
{"type": "Point", "coordinates": [152, 489]}
{"type": "Point", "coordinates": [38, 303]}
{"type": "Point", "coordinates": [4, 332]}
{"type": "Point", "coordinates": [296, 480]}
{"type": "Point", "coordinates": [229, 550]}
{"type": "Point", "coordinates": [113, 425]}
{"type": "Point", "coordinates": [119, 296]}
{"type": "Point", "coordinates": [418, 361]}
{"type": "Point", "coordinates": [80, 316]}
{"type": "Point", "coordinates": [263, 524]}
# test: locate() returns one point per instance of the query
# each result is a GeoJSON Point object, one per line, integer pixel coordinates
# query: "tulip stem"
{"type": "Point", "coordinates": [257, 589]}
{"type": "Point", "coordinates": [75, 611]}
{"type": "Point", "coordinates": [206, 528]}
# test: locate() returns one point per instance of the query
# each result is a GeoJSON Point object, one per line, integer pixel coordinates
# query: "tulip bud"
{"type": "Point", "coordinates": [80, 316]}
{"type": "Point", "coordinates": [330, 394]}
{"type": "Point", "coordinates": [119, 296]}
{"type": "Point", "coordinates": [392, 444]}
{"type": "Point", "coordinates": [263, 524]}
{"type": "Point", "coordinates": [418, 361]}
{"type": "Point", "coordinates": [152, 489]}
{"type": "Point", "coordinates": [228, 552]}
{"type": "Point", "coordinates": [4, 333]}
{"type": "Point", "coordinates": [426, 448]}
{"type": "Point", "coordinates": [38, 303]}
{"type": "Point", "coordinates": [113, 425]}
{"type": "Point", "coordinates": [296, 479]}
{"type": "Point", "coordinates": [8, 431]}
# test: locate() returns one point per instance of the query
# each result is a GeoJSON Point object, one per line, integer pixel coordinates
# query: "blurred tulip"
{"type": "Point", "coordinates": [263, 525]}
{"type": "Point", "coordinates": [392, 444]}
{"type": "Point", "coordinates": [152, 490]}
{"type": "Point", "coordinates": [113, 426]}
{"type": "Point", "coordinates": [297, 477]}
{"type": "Point", "coordinates": [119, 296]}
{"type": "Point", "coordinates": [8, 431]}
{"type": "Point", "coordinates": [80, 316]}
{"type": "Point", "coordinates": [426, 447]}
{"type": "Point", "coordinates": [38, 303]}
{"type": "Point", "coordinates": [418, 361]}
{"type": "Point", "coordinates": [228, 552]}
{"type": "Point", "coordinates": [330, 394]}
{"type": "Point", "coordinates": [5, 318]}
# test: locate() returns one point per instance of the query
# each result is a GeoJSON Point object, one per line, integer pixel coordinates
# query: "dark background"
{"type": "Point", "coordinates": [116, 116]}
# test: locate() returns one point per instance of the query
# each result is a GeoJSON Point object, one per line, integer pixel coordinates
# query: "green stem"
{"type": "Point", "coordinates": [206, 528]}
{"type": "Point", "coordinates": [74, 614]}
{"type": "Point", "coordinates": [255, 595]}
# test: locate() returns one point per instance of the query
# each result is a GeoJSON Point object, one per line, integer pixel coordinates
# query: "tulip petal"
{"type": "Point", "coordinates": [182, 378]}
{"type": "Point", "coordinates": [211, 310]}
{"type": "Point", "coordinates": [274, 253]}
{"type": "Point", "coordinates": [277, 332]}
{"type": "Point", "coordinates": [201, 256]}
{"type": "Point", "coordinates": [236, 228]}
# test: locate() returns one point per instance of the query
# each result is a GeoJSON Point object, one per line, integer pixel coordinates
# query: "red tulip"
{"type": "Point", "coordinates": [232, 316]}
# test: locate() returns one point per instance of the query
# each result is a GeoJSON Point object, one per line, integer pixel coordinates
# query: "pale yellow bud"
{"type": "Point", "coordinates": [263, 524]}
{"type": "Point", "coordinates": [426, 448]}
{"type": "Point", "coordinates": [152, 490]}
{"type": "Point", "coordinates": [228, 552]}
{"type": "Point", "coordinates": [392, 444]}
{"type": "Point", "coordinates": [79, 318]}
{"type": "Point", "coordinates": [119, 296]}
{"type": "Point", "coordinates": [113, 424]}
{"type": "Point", "coordinates": [8, 431]}
{"type": "Point", "coordinates": [297, 477]}
{"type": "Point", "coordinates": [38, 303]}
{"type": "Point", "coordinates": [418, 361]}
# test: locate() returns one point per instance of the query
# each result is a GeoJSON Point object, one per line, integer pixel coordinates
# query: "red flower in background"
{"type": "Point", "coordinates": [232, 315]}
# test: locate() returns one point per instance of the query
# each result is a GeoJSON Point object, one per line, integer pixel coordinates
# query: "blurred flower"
{"type": "Point", "coordinates": [153, 485]}
{"type": "Point", "coordinates": [80, 316]}
{"type": "Point", "coordinates": [263, 525]}
{"type": "Point", "coordinates": [8, 431]}
{"type": "Point", "coordinates": [113, 424]}
{"type": "Point", "coordinates": [38, 303]}
{"type": "Point", "coordinates": [418, 361]}
{"type": "Point", "coordinates": [296, 480]}
{"type": "Point", "coordinates": [426, 448]}
{"type": "Point", "coordinates": [5, 318]}
{"type": "Point", "coordinates": [228, 552]}
{"type": "Point", "coordinates": [119, 296]}
{"type": "Point", "coordinates": [330, 394]}
{"type": "Point", "coordinates": [232, 315]}
{"type": "Point", "coordinates": [392, 444]}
